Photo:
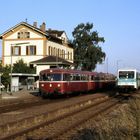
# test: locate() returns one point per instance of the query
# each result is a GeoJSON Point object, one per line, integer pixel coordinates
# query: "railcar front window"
{"type": "Point", "coordinates": [51, 77]}
{"type": "Point", "coordinates": [126, 74]}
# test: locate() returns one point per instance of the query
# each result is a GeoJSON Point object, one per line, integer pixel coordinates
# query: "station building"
{"type": "Point", "coordinates": [36, 46]}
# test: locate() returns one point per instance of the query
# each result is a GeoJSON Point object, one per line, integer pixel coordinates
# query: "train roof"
{"type": "Point", "coordinates": [127, 69]}
{"type": "Point", "coordinates": [58, 70]}
{"type": "Point", "coordinates": [71, 71]}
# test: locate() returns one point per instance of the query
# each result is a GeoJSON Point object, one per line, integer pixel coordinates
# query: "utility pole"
{"type": "Point", "coordinates": [118, 64]}
{"type": "Point", "coordinates": [12, 63]}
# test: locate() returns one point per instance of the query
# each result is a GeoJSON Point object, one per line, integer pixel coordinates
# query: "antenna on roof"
{"type": "Point", "coordinates": [26, 20]}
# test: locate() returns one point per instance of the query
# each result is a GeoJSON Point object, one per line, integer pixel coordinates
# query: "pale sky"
{"type": "Point", "coordinates": [118, 21]}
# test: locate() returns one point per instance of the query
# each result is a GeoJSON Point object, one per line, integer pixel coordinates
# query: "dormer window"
{"type": "Point", "coordinates": [23, 34]}
{"type": "Point", "coordinates": [63, 39]}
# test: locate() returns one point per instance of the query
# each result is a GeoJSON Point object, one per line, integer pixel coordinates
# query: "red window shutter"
{"type": "Point", "coordinates": [34, 50]}
{"type": "Point", "coordinates": [27, 50]}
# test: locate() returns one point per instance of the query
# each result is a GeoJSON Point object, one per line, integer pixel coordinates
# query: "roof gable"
{"type": "Point", "coordinates": [21, 25]}
{"type": "Point", "coordinates": [52, 35]}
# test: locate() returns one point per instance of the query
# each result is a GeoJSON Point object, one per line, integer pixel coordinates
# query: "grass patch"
{"type": "Point", "coordinates": [120, 124]}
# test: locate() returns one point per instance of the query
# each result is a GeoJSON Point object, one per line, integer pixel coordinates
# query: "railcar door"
{"type": "Point", "coordinates": [90, 83]}
{"type": "Point", "coordinates": [93, 83]}
{"type": "Point", "coordinates": [66, 83]}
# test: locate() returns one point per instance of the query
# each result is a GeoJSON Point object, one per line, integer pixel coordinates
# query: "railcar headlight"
{"type": "Point", "coordinates": [50, 85]}
{"type": "Point", "coordinates": [58, 85]}
{"type": "Point", "coordinates": [42, 85]}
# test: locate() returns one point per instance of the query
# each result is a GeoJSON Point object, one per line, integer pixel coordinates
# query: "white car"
{"type": "Point", "coordinates": [2, 86]}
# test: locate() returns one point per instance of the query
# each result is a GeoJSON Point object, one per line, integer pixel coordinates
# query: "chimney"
{"type": "Point", "coordinates": [35, 24]}
{"type": "Point", "coordinates": [43, 27]}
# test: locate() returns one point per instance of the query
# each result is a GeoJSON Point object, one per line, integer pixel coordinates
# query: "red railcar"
{"type": "Point", "coordinates": [64, 81]}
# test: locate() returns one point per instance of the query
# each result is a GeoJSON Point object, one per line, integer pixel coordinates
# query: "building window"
{"type": "Point", "coordinates": [63, 40]}
{"type": "Point", "coordinates": [27, 34]}
{"type": "Point", "coordinates": [68, 56]}
{"type": "Point", "coordinates": [54, 51]}
{"type": "Point", "coordinates": [31, 50]}
{"type": "Point", "coordinates": [18, 35]}
{"type": "Point", "coordinates": [58, 53]}
{"type": "Point", "coordinates": [63, 54]}
{"type": "Point", "coordinates": [71, 56]}
{"type": "Point", "coordinates": [16, 50]}
{"type": "Point", "coordinates": [23, 34]}
{"type": "Point", "coordinates": [49, 51]}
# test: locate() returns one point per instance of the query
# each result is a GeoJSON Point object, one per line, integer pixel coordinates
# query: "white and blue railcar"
{"type": "Point", "coordinates": [128, 79]}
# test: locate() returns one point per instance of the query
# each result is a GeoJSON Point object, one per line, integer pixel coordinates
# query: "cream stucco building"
{"type": "Point", "coordinates": [36, 46]}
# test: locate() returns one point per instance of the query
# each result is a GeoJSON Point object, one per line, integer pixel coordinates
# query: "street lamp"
{"type": "Point", "coordinates": [15, 44]}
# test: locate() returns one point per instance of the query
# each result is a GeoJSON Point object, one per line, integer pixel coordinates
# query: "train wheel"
{"type": "Point", "coordinates": [43, 95]}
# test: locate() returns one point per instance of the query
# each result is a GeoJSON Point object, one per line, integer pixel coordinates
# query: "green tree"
{"type": "Point", "coordinates": [18, 67]}
{"type": "Point", "coordinates": [87, 52]}
{"type": "Point", "coordinates": [5, 78]}
{"type": "Point", "coordinates": [21, 67]}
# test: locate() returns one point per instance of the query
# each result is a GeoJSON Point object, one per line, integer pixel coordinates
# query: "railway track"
{"type": "Point", "coordinates": [21, 104]}
{"type": "Point", "coordinates": [25, 103]}
{"type": "Point", "coordinates": [69, 114]}
{"type": "Point", "coordinates": [62, 128]}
